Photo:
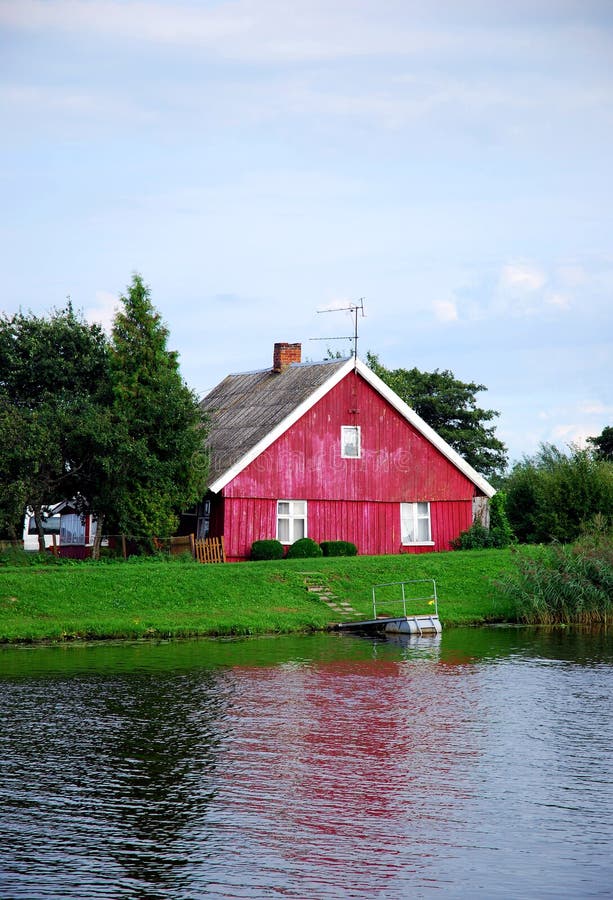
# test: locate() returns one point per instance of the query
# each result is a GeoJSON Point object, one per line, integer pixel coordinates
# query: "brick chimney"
{"type": "Point", "coordinates": [284, 355]}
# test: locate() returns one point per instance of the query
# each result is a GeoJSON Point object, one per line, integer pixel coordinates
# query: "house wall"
{"type": "Point", "coordinates": [348, 499]}
{"type": "Point", "coordinates": [374, 527]}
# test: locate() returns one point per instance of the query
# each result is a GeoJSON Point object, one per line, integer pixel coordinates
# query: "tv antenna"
{"type": "Point", "coordinates": [355, 309]}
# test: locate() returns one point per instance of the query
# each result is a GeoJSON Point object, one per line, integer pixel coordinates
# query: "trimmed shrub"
{"type": "Point", "coordinates": [304, 548]}
{"type": "Point", "coordinates": [338, 548]}
{"type": "Point", "coordinates": [477, 537]}
{"type": "Point", "coordinates": [267, 549]}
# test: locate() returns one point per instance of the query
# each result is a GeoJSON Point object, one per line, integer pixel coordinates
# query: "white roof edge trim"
{"type": "Point", "coordinates": [285, 423]}
{"type": "Point", "coordinates": [411, 416]}
{"type": "Point", "coordinates": [388, 394]}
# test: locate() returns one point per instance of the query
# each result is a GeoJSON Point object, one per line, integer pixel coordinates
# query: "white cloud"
{"type": "Point", "coordinates": [75, 103]}
{"type": "Point", "coordinates": [524, 290]}
{"type": "Point", "coordinates": [270, 31]}
{"type": "Point", "coordinates": [103, 310]}
{"type": "Point", "coordinates": [596, 409]}
{"type": "Point", "coordinates": [575, 433]}
{"type": "Point", "coordinates": [520, 278]}
{"type": "Point", "coordinates": [446, 310]}
{"type": "Point", "coordinates": [556, 299]}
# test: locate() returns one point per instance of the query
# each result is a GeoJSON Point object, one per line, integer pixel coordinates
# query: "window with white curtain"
{"type": "Point", "coordinates": [72, 529]}
{"type": "Point", "coordinates": [415, 523]}
{"type": "Point", "coordinates": [291, 520]}
{"type": "Point", "coordinates": [350, 442]}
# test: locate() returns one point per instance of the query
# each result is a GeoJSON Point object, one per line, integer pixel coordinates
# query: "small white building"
{"type": "Point", "coordinates": [64, 528]}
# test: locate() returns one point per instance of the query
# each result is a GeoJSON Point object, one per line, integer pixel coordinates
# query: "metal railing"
{"type": "Point", "coordinates": [431, 599]}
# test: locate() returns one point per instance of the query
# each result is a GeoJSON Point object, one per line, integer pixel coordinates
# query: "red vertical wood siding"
{"type": "Point", "coordinates": [348, 499]}
{"type": "Point", "coordinates": [397, 462]}
{"type": "Point", "coordinates": [374, 527]}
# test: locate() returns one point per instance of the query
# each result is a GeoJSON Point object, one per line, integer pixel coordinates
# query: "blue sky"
{"type": "Point", "coordinates": [257, 161]}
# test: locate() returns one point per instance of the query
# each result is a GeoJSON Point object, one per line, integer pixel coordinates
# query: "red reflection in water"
{"type": "Point", "coordinates": [344, 760]}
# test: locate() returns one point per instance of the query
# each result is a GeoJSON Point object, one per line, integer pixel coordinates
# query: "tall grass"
{"type": "Point", "coordinates": [564, 584]}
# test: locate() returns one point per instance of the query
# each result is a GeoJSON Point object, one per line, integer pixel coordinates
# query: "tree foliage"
{"type": "Point", "coordinates": [498, 535]}
{"type": "Point", "coordinates": [160, 465]}
{"type": "Point", "coordinates": [109, 425]}
{"type": "Point", "coordinates": [551, 495]}
{"type": "Point", "coordinates": [603, 444]}
{"type": "Point", "coordinates": [449, 406]}
{"type": "Point", "coordinates": [54, 397]}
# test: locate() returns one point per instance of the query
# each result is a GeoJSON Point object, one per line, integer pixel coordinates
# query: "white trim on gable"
{"type": "Point", "coordinates": [388, 394]}
{"type": "Point", "coordinates": [281, 428]}
{"type": "Point", "coordinates": [411, 416]}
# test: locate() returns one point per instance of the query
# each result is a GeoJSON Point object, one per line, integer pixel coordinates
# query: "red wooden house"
{"type": "Point", "coordinates": [327, 450]}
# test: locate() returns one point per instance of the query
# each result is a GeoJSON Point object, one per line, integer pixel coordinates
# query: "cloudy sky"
{"type": "Point", "coordinates": [257, 161]}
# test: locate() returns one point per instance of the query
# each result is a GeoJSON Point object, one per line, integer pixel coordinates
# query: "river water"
{"type": "Point", "coordinates": [325, 766]}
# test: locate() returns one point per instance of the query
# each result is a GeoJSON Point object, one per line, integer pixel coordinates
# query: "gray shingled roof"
{"type": "Point", "coordinates": [245, 407]}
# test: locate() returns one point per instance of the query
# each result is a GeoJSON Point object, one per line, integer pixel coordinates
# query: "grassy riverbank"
{"type": "Point", "coordinates": [156, 598]}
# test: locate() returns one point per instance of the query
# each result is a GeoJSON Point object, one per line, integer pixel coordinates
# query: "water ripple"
{"type": "Point", "coordinates": [362, 770]}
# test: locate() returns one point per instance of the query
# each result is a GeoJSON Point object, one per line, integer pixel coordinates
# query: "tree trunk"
{"type": "Point", "coordinates": [40, 530]}
{"type": "Point", "coordinates": [97, 538]}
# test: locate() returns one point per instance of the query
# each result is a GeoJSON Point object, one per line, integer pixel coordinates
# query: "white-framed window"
{"type": "Point", "coordinates": [72, 529]}
{"type": "Point", "coordinates": [415, 523]}
{"type": "Point", "coordinates": [350, 442]}
{"type": "Point", "coordinates": [291, 520]}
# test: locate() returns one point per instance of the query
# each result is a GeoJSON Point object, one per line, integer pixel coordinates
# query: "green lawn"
{"type": "Point", "coordinates": [153, 598]}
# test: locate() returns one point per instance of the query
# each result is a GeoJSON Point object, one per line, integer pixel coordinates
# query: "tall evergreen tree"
{"type": "Point", "coordinates": [159, 466]}
{"type": "Point", "coordinates": [449, 406]}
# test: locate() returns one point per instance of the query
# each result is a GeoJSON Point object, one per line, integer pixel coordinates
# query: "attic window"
{"type": "Point", "coordinates": [350, 442]}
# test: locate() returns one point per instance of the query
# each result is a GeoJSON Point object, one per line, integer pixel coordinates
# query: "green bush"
{"type": "Point", "coordinates": [477, 537]}
{"type": "Point", "coordinates": [498, 535]}
{"type": "Point", "coordinates": [266, 549]}
{"type": "Point", "coordinates": [500, 527]}
{"type": "Point", "coordinates": [550, 495]}
{"type": "Point", "coordinates": [338, 548]}
{"type": "Point", "coordinates": [304, 548]}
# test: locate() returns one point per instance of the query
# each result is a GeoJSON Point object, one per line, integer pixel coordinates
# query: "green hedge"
{"type": "Point", "coordinates": [267, 549]}
{"type": "Point", "coordinates": [338, 548]}
{"type": "Point", "coordinates": [304, 548]}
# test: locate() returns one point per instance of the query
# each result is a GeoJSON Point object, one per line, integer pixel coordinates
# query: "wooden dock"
{"type": "Point", "coordinates": [416, 624]}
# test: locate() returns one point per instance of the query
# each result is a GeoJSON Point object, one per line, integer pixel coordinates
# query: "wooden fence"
{"type": "Point", "coordinates": [210, 550]}
{"type": "Point", "coordinates": [207, 550]}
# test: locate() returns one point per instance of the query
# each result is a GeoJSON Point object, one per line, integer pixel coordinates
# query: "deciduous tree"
{"type": "Point", "coordinates": [553, 494]}
{"type": "Point", "coordinates": [54, 399]}
{"type": "Point", "coordinates": [603, 444]}
{"type": "Point", "coordinates": [450, 407]}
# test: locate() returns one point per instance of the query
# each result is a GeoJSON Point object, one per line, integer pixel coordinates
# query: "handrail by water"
{"type": "Point", "coordinates": [431, 598]}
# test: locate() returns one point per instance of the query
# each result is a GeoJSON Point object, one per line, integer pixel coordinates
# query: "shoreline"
{"type": "Point", "coordinates": [163, 598]}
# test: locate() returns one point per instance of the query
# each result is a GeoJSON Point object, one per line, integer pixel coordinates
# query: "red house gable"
{"type": "Point", "coordinates": [346, 460]}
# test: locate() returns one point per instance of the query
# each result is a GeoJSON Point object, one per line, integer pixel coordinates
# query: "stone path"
{"type": "Point", "coordinates": [314, 583]}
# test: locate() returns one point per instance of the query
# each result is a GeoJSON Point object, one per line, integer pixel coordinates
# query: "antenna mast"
{"type": "Point", "coordinates": [354, 309]}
